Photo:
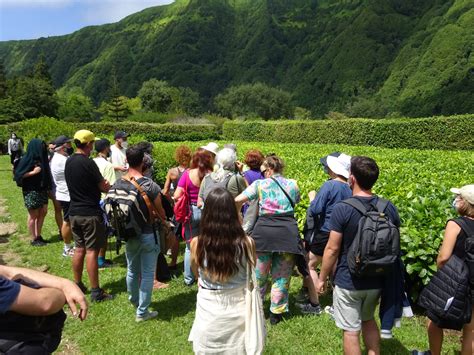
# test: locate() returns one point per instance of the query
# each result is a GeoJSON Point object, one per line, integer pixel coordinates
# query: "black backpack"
{"type": "Point", "coordinates": [126, 210]}
{"type": "Point", "coordinates": [376, 245]}
{"type": "Point", "coordinates": [469, 247]}
{"type": "Point", "coordinates": [446, 298]}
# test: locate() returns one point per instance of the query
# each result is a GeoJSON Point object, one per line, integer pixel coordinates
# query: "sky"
{"type": "Point", "coordinates": [30, 19]}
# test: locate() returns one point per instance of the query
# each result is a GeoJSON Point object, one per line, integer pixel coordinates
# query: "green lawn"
{"type": "Point", "coordinates": [110, 326]}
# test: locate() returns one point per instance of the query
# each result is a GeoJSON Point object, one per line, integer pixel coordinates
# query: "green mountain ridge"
{"type": "Point", "coordinates": [356, 56]}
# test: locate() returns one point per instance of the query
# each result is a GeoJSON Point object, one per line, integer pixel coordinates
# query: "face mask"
{"type": "Point", "coordinates": [455, 203]}
{"type": "Point", "coordinates": [124, 145]}
{"type": "Point", "coordinates": [69, 151]}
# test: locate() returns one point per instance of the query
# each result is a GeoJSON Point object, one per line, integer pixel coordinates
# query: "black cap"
{"type": "Point", "coordinates": [324, 160]}
{"type": "Point", "coordinates": [61, 140]}
{"type": "Point", "coordinates": [101, 144]}
{"type": "Point", "coordinates": [120, 134]}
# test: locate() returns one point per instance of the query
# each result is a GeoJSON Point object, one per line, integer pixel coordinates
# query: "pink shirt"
{"type": "Point", "coordinates": [193, 190]}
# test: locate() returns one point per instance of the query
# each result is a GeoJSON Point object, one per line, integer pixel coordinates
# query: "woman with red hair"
{"type": "Point", "coordinates": [202, 164]}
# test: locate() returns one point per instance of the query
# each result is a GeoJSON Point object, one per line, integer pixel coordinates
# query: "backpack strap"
{"type": "Point", "coordinates": [464, 226]}
{"type": "Point", "coordinates": [284, 191]}
{"type": "Point", "coordinates": [381, 205]}
{"type": "Point", "coordinates": [355, 203]}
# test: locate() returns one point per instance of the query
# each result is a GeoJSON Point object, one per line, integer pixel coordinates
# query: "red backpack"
{"type": "Point", "coordinates": [182, 206]}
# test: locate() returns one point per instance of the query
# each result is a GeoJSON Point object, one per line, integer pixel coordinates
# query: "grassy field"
{"type": "Point", "coordinates": [110, 326]}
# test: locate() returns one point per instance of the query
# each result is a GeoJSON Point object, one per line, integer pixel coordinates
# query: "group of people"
{"type": "Point", "coordinates": [240, 217]}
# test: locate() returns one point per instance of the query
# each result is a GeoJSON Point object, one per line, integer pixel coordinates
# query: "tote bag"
{"type": "Point", "coordinates": [255, 331]}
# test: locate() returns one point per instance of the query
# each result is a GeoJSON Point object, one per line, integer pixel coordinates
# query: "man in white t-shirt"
{"type": "Point", "coordinates": [62, 150]}
{"type": "Point", "coordinates": [117, 154]}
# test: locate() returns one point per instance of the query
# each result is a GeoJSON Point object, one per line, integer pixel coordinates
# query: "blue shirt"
{"type": "Point", "coordinates": [9, 291]}
{"type": "Point", "coordinates": [328, 195]}
{"type": "Point", "coordinates": [345, 220]}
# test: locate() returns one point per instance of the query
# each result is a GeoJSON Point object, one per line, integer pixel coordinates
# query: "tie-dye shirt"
{"type": "Point", "coordinates": [272, 199]}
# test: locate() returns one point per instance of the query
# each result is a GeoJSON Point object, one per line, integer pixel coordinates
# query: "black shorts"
{"type": "Point", "coordinates": [319, 243]}
{"type": "Point", "coordinates": [89, 232]}
{"type": "Point", "coordinates": [65, 207]}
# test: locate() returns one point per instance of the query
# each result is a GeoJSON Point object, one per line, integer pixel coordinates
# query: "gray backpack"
{"type": "Point", "coordinates": [211, 184]}
{"type": "Point", "coordinates": [376, 245]}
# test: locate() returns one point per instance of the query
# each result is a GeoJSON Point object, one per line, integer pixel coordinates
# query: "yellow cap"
{"type": "Point", "coordinates": [84, 136]}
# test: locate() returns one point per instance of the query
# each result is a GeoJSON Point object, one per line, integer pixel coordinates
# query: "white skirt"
{"type": "Point", "coordinates": [219, 324]}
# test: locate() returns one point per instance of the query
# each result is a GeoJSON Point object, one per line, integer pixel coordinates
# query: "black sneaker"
{"type": "Point", "coordinates": [100, 295]}
{"type": "Point", "coordinates": [83, 287]}
{"type": "Point", "coordinates": [37, 243]}
{"type": "Point", "coordinates": [275, 318]}
{"type": "Point", "coordinates": [43, 240]}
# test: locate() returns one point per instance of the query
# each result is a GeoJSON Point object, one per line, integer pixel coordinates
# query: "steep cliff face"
{"type": "Point", "coordinates": [414, 58]}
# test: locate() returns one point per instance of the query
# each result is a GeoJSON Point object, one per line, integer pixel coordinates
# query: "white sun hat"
{"type": "Point", "coordinates": [466, 192]}
{"type": "Point", "coordinates": [340, 165]}
{"type": "Point", "coordinates": [211, 147]}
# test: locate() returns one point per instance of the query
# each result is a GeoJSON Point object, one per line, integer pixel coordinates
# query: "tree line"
{"type": "Point", "coordinates": [34, 95]}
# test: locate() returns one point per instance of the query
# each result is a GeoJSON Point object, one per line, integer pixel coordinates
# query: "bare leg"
{"type": "Point", "coordinates": [102, 252]}
{"type": "Point", "coordinates": [92, 267]}
{"type": "Point", "coordinates": [351, 343]}
{"type": "Point", "coordinates": [32, 222]}
{"type": "Point", "coordinates": [58, 216]}
{"type": "Point", "coordinates": [314, 261]}
{"type": "Point", "coordinates": [41, 216]}
{"type": "Point", "coordinates": [468, 338]}
{"type": "Point", "coordinates": [66, 232]}
{"type": "Point", "coordinates": [78, 263]}
{"type": "Point", "coordinates": [370, 333]}
{"type": "Point", "coordinates": [435, 336]}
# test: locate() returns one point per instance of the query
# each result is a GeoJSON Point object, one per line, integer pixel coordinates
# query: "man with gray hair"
{"type": "Point", "coordinates": [226, 176]}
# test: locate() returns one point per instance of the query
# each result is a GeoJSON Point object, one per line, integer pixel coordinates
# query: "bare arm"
{"type": "Point", "coordinates": [240, 200]}
{"type": "Point", "coordinates": [51, 285]}
{"type": "Point", "coordinates": [449, 241]}
{"type": "Point", "coordinates": [35, 171]}
{"type": "Point", "coordinates": [166, 188]}
{"type": "Point", "coordinates": [331, 253]}
{"type": "Point", "coordinates": [104, 186]}
{"type": "Point", "coordinates": [178, 193]}
{"type": "Point", "coordinates": [38, 302]}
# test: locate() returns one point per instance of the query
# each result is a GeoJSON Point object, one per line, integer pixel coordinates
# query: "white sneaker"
{"type": "Point", "coordinates": [68, 252]}
{"type": "Point", "coordinates": [146, 316]}
{"type": "Point", "coordinates": [386, 334]}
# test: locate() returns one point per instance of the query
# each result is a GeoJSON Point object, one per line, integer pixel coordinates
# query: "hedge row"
{"type": "Point", "coordinates": [48, 128]}
{"type": "Point", "coordinates": [454, 132]}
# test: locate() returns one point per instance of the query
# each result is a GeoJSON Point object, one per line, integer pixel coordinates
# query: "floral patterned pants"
{"type": "Point", "coordinates": [280, 267]}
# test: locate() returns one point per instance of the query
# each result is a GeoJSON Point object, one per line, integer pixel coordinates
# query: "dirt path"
{"type": "Point", "coordinates": [7, 229]}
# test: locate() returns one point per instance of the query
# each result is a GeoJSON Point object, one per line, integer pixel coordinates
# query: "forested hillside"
{"type": "Point", "coordinates": [360, 57]}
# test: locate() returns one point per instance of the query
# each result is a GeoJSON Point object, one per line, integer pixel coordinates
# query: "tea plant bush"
{"type": "Point", "coordinates": [416, 181]}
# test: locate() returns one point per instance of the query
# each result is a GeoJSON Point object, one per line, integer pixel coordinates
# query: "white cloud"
{"type": "Point", "coordinates": [106, 11]}
{"type": "Point", "coordinates": [34, 3]}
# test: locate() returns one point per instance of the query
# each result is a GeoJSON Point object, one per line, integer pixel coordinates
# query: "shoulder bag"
{"type": "Point", "coordinates": [255, 331]}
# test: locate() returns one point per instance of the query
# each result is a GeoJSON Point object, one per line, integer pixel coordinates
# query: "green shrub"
{"type": "Point", "coordinates": [48, 128]}
{"type": "Point", "coordinates": [454, 132]}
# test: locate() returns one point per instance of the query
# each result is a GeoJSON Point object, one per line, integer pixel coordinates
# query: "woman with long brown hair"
{"type": "Point", "coordinates": [219, 257]}
{"type": "Point", "coordinates": [190, 181]}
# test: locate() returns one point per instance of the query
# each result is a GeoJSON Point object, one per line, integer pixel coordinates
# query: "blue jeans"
{"type": "Point", "coordinates": [141, 254]}
{"type": "Point", "coordinates": [190, 231]}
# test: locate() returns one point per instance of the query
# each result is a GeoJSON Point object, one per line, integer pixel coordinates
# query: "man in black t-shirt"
{"type": "Point", "coordinates": [354, 298]}
{"type": "Point", "coordinates": [85, 184]}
